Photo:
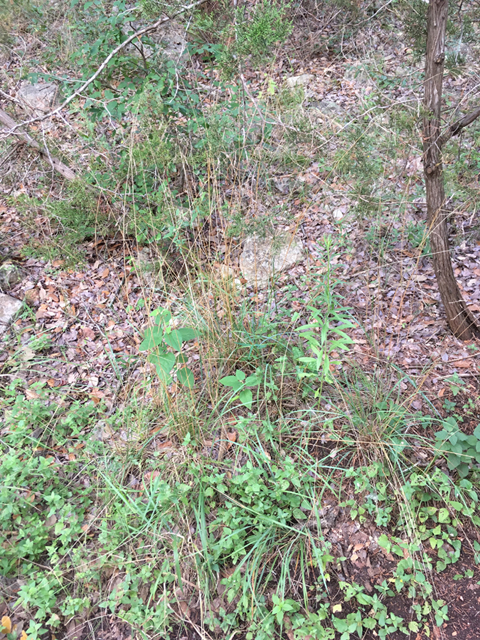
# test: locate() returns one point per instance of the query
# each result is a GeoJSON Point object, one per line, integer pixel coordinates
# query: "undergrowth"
{"type": "Point", "coordinates": [210, 496]}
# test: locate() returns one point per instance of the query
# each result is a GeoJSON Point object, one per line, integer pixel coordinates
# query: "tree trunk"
{"type": "Point", "coordinates": [460, 319]}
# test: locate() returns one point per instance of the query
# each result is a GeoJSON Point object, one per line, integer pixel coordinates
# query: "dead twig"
{"type": "Point", "coordinates": [57, 164]}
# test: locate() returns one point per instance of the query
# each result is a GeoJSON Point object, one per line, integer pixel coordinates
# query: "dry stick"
{"type": "Point", "coordinates": [456, 128]}
{"type": "Point", "coordinates": [57, 164]}
{"type": "Point", "coordinates": [111, 55]}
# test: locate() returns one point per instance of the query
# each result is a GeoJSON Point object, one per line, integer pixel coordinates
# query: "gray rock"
{"type": "Point", "coordinates": [9, 307]}
{"type": "Point", "coordinates": [261, 258]}
{"type": "Point", "coordinates": [173, 38]}
{"type": "Point", "coordinates": [10, 275]}
{"type": "Point", "coordinates": [170, 39]}
{"type": "Point", "coordinates": [299, 81]}
{"type": "Point", "coordinates": [326, 111]}
{"type": "Point", "coordinates": [38, 98]}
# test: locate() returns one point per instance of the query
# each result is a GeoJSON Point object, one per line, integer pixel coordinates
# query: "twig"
{"type": "Point", "coordinates": [57, 164]}
{"type": "Point", "coordinates": [111, 55]}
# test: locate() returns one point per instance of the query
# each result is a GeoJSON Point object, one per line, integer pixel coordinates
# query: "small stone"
{"type": "Point", "coordinates": [300, 81]}
{"type": "Point", "coordinates": [9, 307]}
{"type": "Point", "coordinates": [10, 275]}
{"type": "Point", "coordinates": [38, 98]}
{"type": "Point", "coordinates": [263, 257]}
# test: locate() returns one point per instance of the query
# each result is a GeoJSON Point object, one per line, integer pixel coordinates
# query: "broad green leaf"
{"type": "Point", "coordinates": [251, 381]}
{"type": "Point", "coordinates": [384, 542]}
{"type": "Point", "coordinates": [174, 339]}
{"type": "Point", "coordinates": [246, 397]}
{"type": "Point", "coordinates": [299, 515]}
{"type": "Point", "coordinates": [231, 381]}
{"type": "Point", "coordinates": [188, 334]}
{"type": "Point", "coordinates": [185, 377]}
{"type": "Point", "coordinates": [476, 431]}
{"type": "Point", "coordinates": [164, 361]}
{"type": "Point", "coordinates": [443, 515]}
{"type": "Point", "coordinates": [163, 316]}
{"type": "Point", "coordinates": [240, 375]}
{"type": "Point", "coordinates": [163, 376]}
{"type": "Point", "coordinates": [152, 337]}
{"type": "Point", "coordinates": [463, 469]}
{"type": "Point", "coordinates": [182, 358]}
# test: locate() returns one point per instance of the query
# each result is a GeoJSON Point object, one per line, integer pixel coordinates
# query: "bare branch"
{"type": "Point", "coordinates": [57, 164]}
{"type": "Point", "coordinates": [111, 55]}
{"type": "Point", "coordinates": [456, 128]}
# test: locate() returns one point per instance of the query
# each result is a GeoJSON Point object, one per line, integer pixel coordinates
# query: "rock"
{"type": "Point", "coordinates": [38, 98]}
{"type": "Point", "coordinates": [299, 81]}
{"type": "Point", "coordinates": [9, 307]}
{"type": "Point", "coordinates": [328, 107]}
{"type": "Point", "coordinates": [173, 38]}
{"type": "Point", "coordinates": [170, 40]}
{"type": "Point", "coordinates": [10, 275]}
{"type": "Point", "coordinates": [326, 111]}
{"type": "Point", "coordinates": [263, 257]}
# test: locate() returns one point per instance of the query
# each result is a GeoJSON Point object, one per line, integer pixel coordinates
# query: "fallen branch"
{"type": "Point", "coordinates": [455, 128]}
{"type": "Point", "coordinates": [57, 164]}
{"type": "Point", "coordinates": [111, 55]}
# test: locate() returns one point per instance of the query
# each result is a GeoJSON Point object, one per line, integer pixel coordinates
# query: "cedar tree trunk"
{"type": "Point", "coordinates": [460, 319]}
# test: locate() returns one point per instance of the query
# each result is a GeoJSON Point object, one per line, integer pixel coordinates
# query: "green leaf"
{"type": "Point", "coordinates": [152, 337]}
{"type": "Point", "coordinates": [185, 377]}
{"type": "Point", "coordinates": [163, 316]}
{"type": "Point", "coordinates": [174, 339]}
{"type": "Point", "coordinates": [463, 469]}
{"type": "Point", "coordinates": [164, 361]}
{"type": "Point", "coordinates": [443, 515]}
{"type": "Point", "coordinates": [240, 375]}
{"type": "Point", "coordinates": [163, 376]}
{"type": "Point", "coordinates": [453, 438]}
{"type": "Point", "coordinates": [246, 397]}
{"type": "Point", "coordinates": [231, 381]}
{"type": "Point", "coordinates": [188, 334]}
{"type": "Point", "coordinates": [384, 542]}
{"type": "Point", "coordinates": [453, 461]}
{"type": "Point", "coordinates": [299, 515]}
{"type": "Point", "coordinates": [476, 431]}
{"type": "Point", "coordinates": [182, 358]}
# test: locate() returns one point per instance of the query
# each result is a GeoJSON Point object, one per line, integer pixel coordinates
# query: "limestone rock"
{"type": "Point", "coordinates": [38, 98]}
{"type": "Point", "coordinates": [263, 257]}
{"type": "Point", "coordinates": [170, 39]}
{"type": "Point", "coordinates": [9, 307]}
{"type": "Point", "coordinates": [299, 81]}
{"type": "Point", "coordinates": [173, 37]}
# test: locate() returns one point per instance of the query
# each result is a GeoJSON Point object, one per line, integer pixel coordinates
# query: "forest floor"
{"type": "Point", "coordinates": [77, 342]}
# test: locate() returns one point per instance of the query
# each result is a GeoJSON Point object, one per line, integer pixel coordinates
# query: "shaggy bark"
{"type": "Point", "coordinates": [460, 319]}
